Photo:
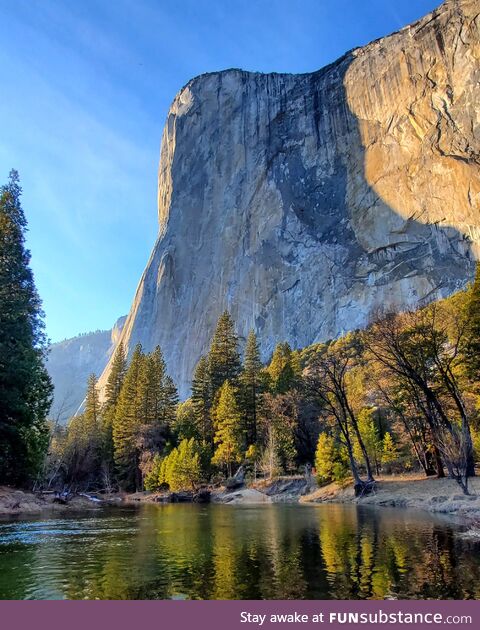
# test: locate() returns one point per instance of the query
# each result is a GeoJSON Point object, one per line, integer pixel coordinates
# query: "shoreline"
{"type": "Point", "coordinates": [441, 496]}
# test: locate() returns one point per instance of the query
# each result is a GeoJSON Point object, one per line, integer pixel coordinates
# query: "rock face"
{"type": "Point", "coordinates": [306, 204]}
{"type": "Point", "coordinates": [71, 361]}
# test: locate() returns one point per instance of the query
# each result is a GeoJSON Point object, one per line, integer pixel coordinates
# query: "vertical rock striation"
{"type": "Point", "coordinates": [307, 203]}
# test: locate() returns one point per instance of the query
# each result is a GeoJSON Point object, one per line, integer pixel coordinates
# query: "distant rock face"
{"type": "Point", "coordinates": [306, 204]}
{"type": "Point", "coordinates": [70, 362]}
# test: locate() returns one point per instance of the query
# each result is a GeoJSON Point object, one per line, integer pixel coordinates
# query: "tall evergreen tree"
{"type": "Point", "coordinates": [251, 386]}
{"type": "Point", "coordinates": [169, 401]}
{"type": "Point", "coordinates": [223, 358]}
{"type": "Point", "coordinates": [228, 429]}
{"type": "Point", "coordinates": [127, 421]}
{"type": "Point", "coordinates": [25, 387]}
{"type": "Point", "coordinates": [202, 401]}
{"type": "Point", "coordinates": [83, 451]}
{"type": "Point", "coordinates": [116, 376]}
{"type": "Point", "coordinates": [113, 388]}
{"type": "Point", "coordinates": [154, 388]}
{"type": "Point", "coordinates": [471, 345]}
{"type": "Point", "coordinates": [281, 369]}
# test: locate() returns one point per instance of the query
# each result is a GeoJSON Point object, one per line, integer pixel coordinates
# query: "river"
{"type": "Point", "coordinates": [238, 552]}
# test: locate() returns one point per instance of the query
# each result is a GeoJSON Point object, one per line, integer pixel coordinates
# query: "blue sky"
{"type": "Point", "coordinates": [85, 88]}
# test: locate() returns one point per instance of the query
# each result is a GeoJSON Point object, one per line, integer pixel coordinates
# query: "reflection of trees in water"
{"type": "Point", "coordinates": [274, 552]}
{"type": "Point", "coordinates": [367, 556]}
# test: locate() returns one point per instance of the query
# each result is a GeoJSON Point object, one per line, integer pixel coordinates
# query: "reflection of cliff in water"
{"type": "Point", "coordinates": [246, 552]}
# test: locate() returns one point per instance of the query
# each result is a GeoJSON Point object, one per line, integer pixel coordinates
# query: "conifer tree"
{"type": "Point", "coordinates": [228, 431]}
{"type": "Point", "coordinates": [113, 388]}
{"type": "Point", "coordinates": [471, 346]}
{"type": "Point", "coordinates": [281, 369]}
{"type": "Point", "coordinates": [25, 387]}
{"type": "Point", "coordinates": [223, 358]}
{"type": "Point", "coordinates": [127, 421]}
{"type": "Point", "coordinates": [202, 401]}
{"type": "Point", "coordinates": [92, 404]}
{"type": "Point", "coordinates": [85, 439]}
{"type": "Point", "coordinates": [169, 401]}
{"type": "Point", "coordinates": [116, 377]}
{"type": "Point", "coordinates": [251, 386]}
{"type": "Point", "coordinates": [153, 388]}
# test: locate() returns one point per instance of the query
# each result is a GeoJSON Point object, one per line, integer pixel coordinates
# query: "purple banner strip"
{"type": "Point", "coordinates": [236, 615]}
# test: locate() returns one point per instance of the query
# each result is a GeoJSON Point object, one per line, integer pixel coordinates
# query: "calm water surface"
{"type": "Point", "coordinates": [238, 552]}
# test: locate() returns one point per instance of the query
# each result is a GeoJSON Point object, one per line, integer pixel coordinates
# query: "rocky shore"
{"type": "Point", "coordinates": [408, 491]}
{"type": "Point", "coordinates": [14, 501]}
{"type": "Point", "coordinates": [402, 491]}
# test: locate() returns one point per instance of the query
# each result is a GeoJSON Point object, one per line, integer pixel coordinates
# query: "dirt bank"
{"type": "Point", "coordinates": [408, 491]}
{"type": "Point", "coordinates": [404, 491]}
{"type": "Point", "coordinates": [13, 501]}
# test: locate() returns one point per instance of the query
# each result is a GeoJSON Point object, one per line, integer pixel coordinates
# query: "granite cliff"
{"type": "Point", "coordinates": [305, 204]}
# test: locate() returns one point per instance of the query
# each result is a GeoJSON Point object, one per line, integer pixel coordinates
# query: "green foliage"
{"type": "Point", "coordinates": [152, 478]}
{"type": "Point", "coordinates": [180, 470]}
{"type": "Point", "coordinates": [471, 344]}
{"type": "Point", "coordinates": [202, 401]}
{"type": "Point", "coordinates": [25, 387]}
{"type": "Point", "coordinates": [277, 426]}
{"type": "Point", "coordinates": [113, 388]}
{"type": "Point", "coordinates": [223, 358]}
{"type": "Point", "coordinates": [325, 457]}
{"type": "Point", "coordinates": [116, 377]}
{"type": "Point", "coordinates": [251, 387]}
{"type": "Point", "coordinates": [228, 429]}
{"type": "Point", "coordinates": [370, 435]}
{"type": "Point", "coordinates": [476, 444]}
{"type": "Point", "coordinates": [389, 450]}
{"type": "Point", "coordinates": [185, 426]}
{"type": "Point", "coordinates": [128, 417]}
{"type": "Point", "coordinates": [331, 461]}
{"type": "Point", "coordinates": [281, 369]}
{"type": "Point", "coordinates": [145, 414]}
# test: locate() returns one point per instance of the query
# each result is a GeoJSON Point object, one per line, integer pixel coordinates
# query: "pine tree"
{"type": "Point", "coordinates": [116, 377]}
{"type": "Point", "coordinates": [92, 423]}
{"type": "Point", "coordinates": [281, 369]}
{"type": "Point", "coordinates": [228, 432]}
{"type": "Point", "coordinates": [202, 401]}
{"type": "Point", "coordinates": [251, 386]}
{"type": "Point", "coordinates": [153, 391]}
{"type": "Point", "coordinates": [25, 387]}
{"type": "Point", "coordinates": [113, 388]}
{"type": "Point", "coordinates": [223, 358]}
{"type": "Point", "coordinates": [169, 401]}
{"type": "Point", "coordinates": [471, 346]}
{"type": "Point", "coordinates": [127, 421]}
{"type": "Point", "coordinates": [83, 448]}
{"type": "Point", "coordinates": [92, 404]}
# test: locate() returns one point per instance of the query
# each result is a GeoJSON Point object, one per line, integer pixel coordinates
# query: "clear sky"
{"type": "Point", "coordinates": [84, 91]}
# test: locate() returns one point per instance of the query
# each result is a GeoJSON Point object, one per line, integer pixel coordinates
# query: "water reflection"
{"type": "Point", "coordinates": [227, 552]}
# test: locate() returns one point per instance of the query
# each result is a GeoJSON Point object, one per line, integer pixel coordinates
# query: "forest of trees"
{"type": "Point", "coordinates": [402, 395]}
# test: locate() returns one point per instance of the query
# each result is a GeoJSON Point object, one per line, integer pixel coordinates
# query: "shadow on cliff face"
{"type": "Point", "coordinates": [384, 187]}
{"type": "Point", "coordinates": [306, 203]}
